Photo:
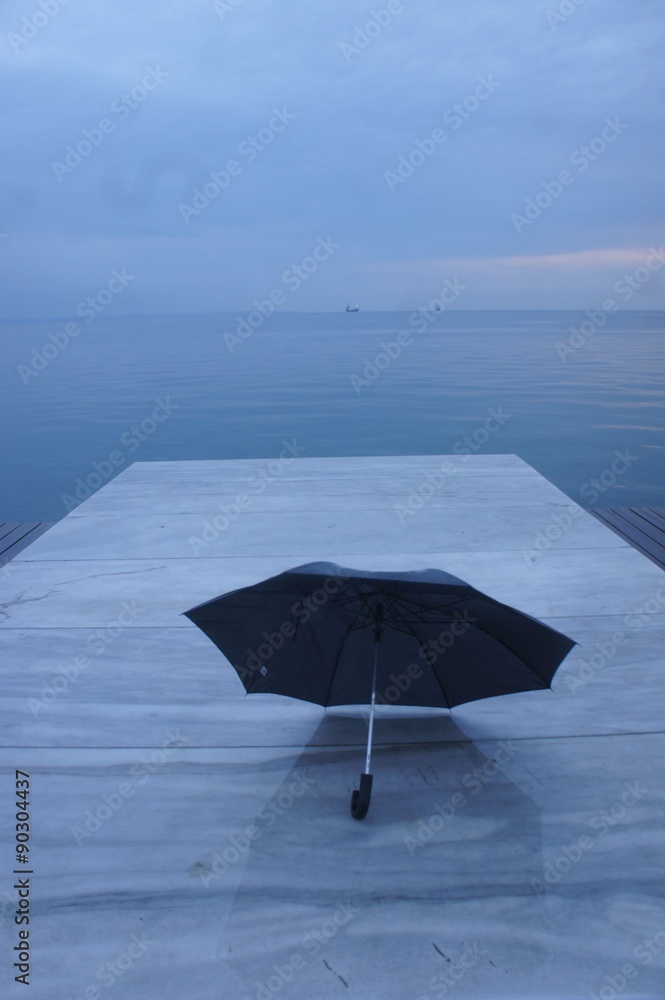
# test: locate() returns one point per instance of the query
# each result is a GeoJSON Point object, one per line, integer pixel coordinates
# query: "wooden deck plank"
{"type": "Point", "coordinates": [18, 536]}
{"type": "Point", "coordinates": [638, 519]}
{"type": "Point", "coordinates": [652, 515]}
{"type": "Point", "coordinates": [7, 528]}
{"type": "Point", "coordinates": [642, 519]}
{"type": "Point", "coordinates": [630, 524]}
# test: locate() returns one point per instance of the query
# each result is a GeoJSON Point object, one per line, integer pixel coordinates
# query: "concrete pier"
{"type": "Point", "coordinates": [190, 842]}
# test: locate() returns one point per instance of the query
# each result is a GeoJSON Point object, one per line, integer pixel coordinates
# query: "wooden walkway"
{"type": "Point", "coordinates": [643, 527]}
{"type": "Point", "coordinates": [15, 536]}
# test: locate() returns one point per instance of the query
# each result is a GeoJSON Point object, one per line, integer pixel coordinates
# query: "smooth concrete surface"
{"type": "Point", "coordinates": [306, 533]}
{"type": "Point", "coordinates": [191, 842]}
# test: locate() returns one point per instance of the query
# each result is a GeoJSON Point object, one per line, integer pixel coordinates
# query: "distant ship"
{"type": "Point", "coordinates": [353, 309]}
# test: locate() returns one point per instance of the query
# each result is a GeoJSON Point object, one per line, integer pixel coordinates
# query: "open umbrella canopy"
{"type": "Point", "coordinates": [308, 633]}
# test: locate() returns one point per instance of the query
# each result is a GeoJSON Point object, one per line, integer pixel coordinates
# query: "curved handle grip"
{"type": "Point", "coordinates": [360, 797]}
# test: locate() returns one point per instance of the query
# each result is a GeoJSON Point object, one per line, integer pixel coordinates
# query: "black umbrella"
{"type": "Point", "coordinates": [306, 634]}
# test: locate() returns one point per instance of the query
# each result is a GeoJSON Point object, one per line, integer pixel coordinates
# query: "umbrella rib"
{"type": "Point", "coordinates": [421, 616]}
{"type": "Point", "coordinates": [409, 631]}
{"type": "Point", "coordinates": [512, 652]}
{"type": "Point", "coordinates": [363, 595]}
{"type": "Point", "coordinates": [351, 599]}
{"type": "Point", "coordinates": [333, 672]}
{"type": "Point", "coordinates": [445, 696]}
{"type": "Point", "coordinates": [411, 608]}
{"type": "Point", "coordinates": [485, 632]}
{"type": "Point", "coordinates": [440, 683]}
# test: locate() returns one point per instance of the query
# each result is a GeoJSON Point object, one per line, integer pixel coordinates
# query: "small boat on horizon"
{"type": "Point", "coordinates": [352, 309]}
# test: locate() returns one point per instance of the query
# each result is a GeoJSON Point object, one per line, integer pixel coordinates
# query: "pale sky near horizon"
{"type": "Point", "coordinates": [513, 145]}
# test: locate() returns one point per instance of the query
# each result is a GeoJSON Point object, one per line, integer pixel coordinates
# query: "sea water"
{"type": "Point", "coordinates": [584, 405]}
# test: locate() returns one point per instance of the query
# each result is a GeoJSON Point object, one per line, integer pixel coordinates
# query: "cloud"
{"type": "Point", "coordinates": [356, 116]}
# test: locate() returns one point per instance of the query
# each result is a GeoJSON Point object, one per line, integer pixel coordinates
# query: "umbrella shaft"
{"type": "Point", "coordinates": [371, 709]}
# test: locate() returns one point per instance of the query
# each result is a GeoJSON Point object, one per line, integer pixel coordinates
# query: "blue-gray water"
{"type": "Point", "coordinates": [291, 379]}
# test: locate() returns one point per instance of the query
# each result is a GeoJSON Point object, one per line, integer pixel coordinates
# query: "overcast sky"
{"type": "Point", "coordinates": [342, 94]}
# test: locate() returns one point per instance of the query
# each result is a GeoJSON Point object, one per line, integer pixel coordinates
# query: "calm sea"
{"type": "Point", "coordinates": [329, 382]}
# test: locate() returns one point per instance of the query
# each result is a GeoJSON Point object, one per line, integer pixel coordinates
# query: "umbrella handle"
{"type": "Point", "coordinates": [360, 797]}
